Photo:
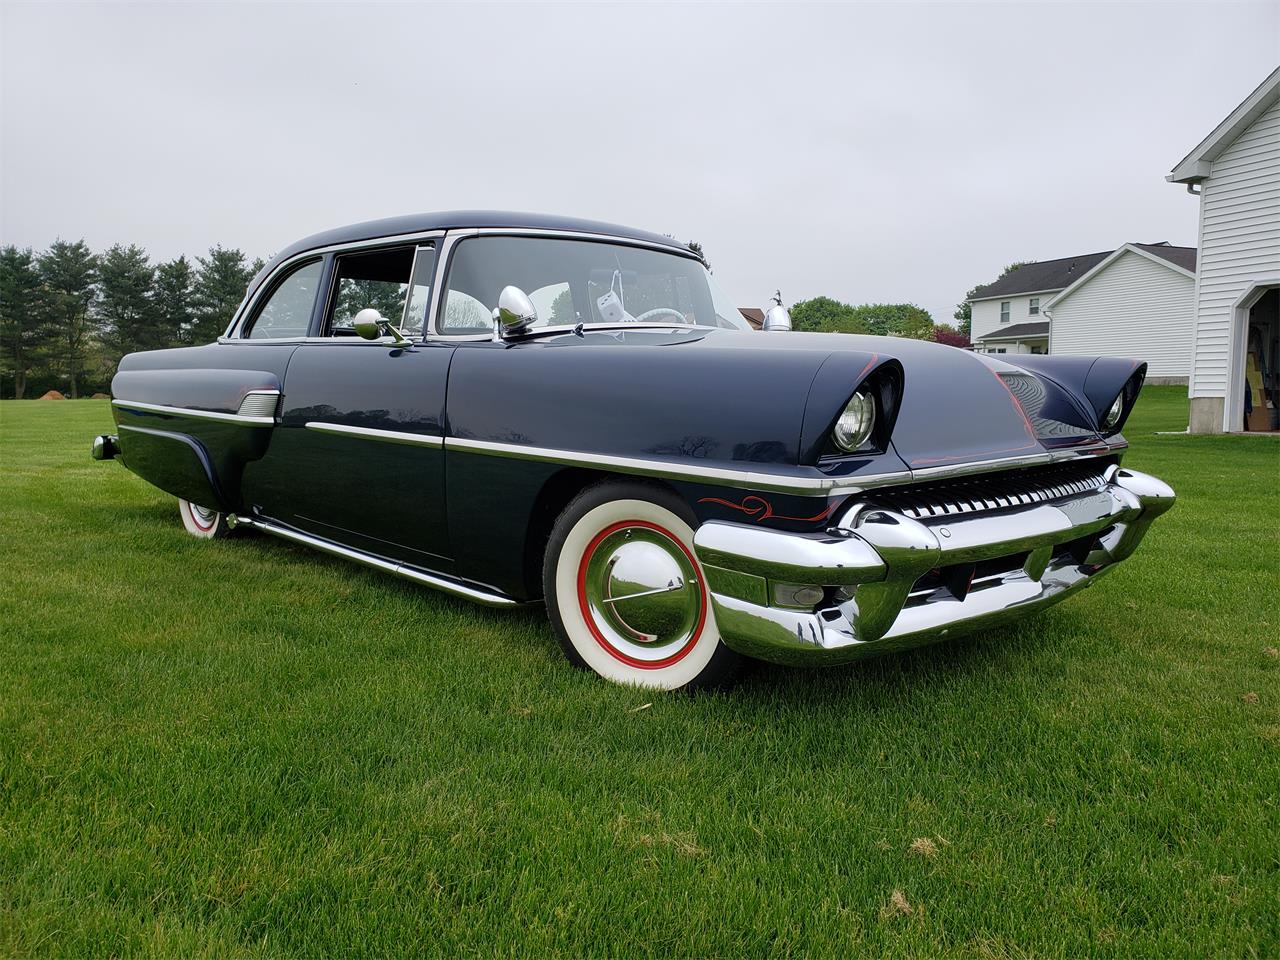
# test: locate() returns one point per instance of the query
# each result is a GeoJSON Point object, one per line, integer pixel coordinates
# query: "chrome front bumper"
{"type": "Point", "coordinates": [890, 582]}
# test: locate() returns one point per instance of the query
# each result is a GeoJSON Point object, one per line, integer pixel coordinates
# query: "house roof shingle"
{"type": "Point", "coordinates": [753, 316]}
{"type": "Point", "coordinates": [1042, 275]}
{"type": "Point", "coordinates": [1047, 275]}
{"type": "Point", "coordinates": [1019, 331]}
{"type": "Point", "coordinates": [1184, 257]}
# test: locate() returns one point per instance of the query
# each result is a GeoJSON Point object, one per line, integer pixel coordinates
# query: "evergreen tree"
{"type": "Point", "coordinates": [172, 296]}
{"type": "Point", "coordinates": [220, 286]}
{"type": "Point", "coordinates": [23, 327]}
{"type": "Point", "coordinates": [126, 307]}
{"type": "Point", "coordinates": [68, 273]}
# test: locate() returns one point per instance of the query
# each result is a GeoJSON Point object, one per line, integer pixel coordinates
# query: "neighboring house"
{"type": "Point", "coordinates": [1007, 316]}
{"type": "Point", "coordinates": [1237, 296]}
{"type": "Point", "coordinates": [753, 316]}
{"type": "Point", "coordinates": [1137, 302]}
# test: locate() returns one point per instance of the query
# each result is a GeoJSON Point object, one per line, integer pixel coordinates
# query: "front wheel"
{"type": "Point", "coordinates": [202, 522]}
{"type": "Point", "coordinates": [626, 595]}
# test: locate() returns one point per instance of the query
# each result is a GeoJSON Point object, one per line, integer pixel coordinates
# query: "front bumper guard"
{"type": "Point", "coordinates": [891, 582]}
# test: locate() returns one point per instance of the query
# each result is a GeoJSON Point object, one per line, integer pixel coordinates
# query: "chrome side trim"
{"type": "Point", "coordinates": [492, 598]}
{"type": "Point", "coordinates": [812, 485]}
{"type": "Point", "coordinates": [243, 420]}
{"type": "Point", "coordinates": [370, 433]}
{"type": "Point", "coordinates": [673, 470]}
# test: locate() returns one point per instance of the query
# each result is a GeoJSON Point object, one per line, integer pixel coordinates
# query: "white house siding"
{"type": "Point", "coordinates": [1133, 308]}
{"type": "Point", "coordinates": [985, 314]}
{"type": "Point", "coordinates": [1239, 242]}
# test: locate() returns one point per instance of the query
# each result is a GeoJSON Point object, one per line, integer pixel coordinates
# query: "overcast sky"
{"type": "Point", "coordinates": [868, 152]}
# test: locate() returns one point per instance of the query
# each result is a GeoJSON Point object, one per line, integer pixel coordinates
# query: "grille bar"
{"type": "Point", "coordinates": [992, 491]}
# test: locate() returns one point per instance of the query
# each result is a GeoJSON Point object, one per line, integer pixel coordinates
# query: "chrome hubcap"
{"type": "Point", "coordinates": [640, 592]}
{"type": "Point", "coordinates": [204, 518]}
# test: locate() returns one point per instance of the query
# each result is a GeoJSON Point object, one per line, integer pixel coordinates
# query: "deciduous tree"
{"type": "Point", "coordinates": [950, 336]}
{"type": "Point", "coordinates": [823, 314]}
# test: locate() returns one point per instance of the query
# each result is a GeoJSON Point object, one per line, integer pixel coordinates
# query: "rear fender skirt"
{"type": "Point", "coordinates": [176, 463]}
{"type": "Point", "coordinates": [188, 454]}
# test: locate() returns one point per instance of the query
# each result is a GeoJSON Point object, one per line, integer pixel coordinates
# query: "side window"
{"type": "Point", "coordinates": [555, 304]}
{"type": "Point", "coordinates": [1034, 307]}
{"type": "Point", "coordinates": [463, 313]}
{"type": "Point", "coordinates": [1004, 311]}
{"type": "Point", "coordinates": [287, 312]}
{"type": "Point", "coordinates": [379, 279]}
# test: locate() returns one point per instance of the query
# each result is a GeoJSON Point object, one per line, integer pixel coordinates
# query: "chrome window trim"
{"type": "Point", "coordinates": [266, 289]}
{"type": "Point", "coordinates": [371, 433]}
{"type": "Point", "coordinates": [194, 413]}
{"type": "Point", "coordinates": [235, 328]}
{"type": "Point", "coordinates": [454, 237]}
{"type": "Point", "coordinates": [805, 486]}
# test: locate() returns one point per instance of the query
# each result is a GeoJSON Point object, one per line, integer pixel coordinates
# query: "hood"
{"type": "Point", "coordinates": [957, 406]}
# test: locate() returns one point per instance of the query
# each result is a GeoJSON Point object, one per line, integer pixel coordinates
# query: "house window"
{"type": "Point", "coordinates": [998, 350]}
{"type": "Point", "coordinates": [1034, 309]}
{"type": "Point", "coordinates": [1004, 311]}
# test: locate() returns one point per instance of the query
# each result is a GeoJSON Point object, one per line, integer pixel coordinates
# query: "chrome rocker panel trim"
{"type": "Point", "coordinates": [872, 560]}
{"type": "Point", "coordinates": [491, 598]}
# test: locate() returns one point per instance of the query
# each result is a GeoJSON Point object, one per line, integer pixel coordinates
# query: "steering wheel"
{"type": "Point", "coordinates": [658, 311]}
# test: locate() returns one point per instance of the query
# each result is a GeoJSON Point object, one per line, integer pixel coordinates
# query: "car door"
{"type": "Point", "coordinates": [358, 457]}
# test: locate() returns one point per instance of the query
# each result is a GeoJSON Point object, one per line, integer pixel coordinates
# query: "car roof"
{"type": "Point", "coordinates": [469, 219]}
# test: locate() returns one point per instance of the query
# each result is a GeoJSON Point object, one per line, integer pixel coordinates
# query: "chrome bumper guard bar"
{"type": "Point", "coordinates": [890, 582]}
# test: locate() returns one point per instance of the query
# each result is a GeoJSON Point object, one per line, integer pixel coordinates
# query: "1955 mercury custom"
{"type": "Point", "coordinates": [515, 408]}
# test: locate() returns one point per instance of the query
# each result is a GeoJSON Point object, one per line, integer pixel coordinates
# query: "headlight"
{"type": "Point", "coordinates": [1113, 415]}
{"type": "Point", "coordinates": [855, 423]}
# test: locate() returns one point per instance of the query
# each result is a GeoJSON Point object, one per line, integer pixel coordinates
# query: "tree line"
{"type": "Point", "coordinates": [68, 314]}
{"type": "Point", "coordinates": [827, 315]}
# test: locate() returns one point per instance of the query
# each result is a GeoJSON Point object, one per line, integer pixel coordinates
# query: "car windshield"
{"type": "Point", "coordinates": [581, 281]}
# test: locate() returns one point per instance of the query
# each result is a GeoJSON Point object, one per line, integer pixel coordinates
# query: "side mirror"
{"type": "Point", "coordinates": [368, 323]}
{"type": "Point", "coordinates": [777, 318]}
{"type": "Point", "coordinates": [515, 312]}
{"type": "Point", "coordinates": [371, 325]}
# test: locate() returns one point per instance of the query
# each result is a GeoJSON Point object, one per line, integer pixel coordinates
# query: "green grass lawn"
{"type": "Point", "coordinates": [246, 748]}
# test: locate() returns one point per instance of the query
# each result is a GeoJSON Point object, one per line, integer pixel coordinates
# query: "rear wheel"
{"type": "Point", "coordinates": [626, 595]}
{"type": "Point", "coordinates": [202, 522]}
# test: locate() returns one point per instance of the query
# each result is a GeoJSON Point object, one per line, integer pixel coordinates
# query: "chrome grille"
{"type": "Point", "coordinates": [259, 403]}
{"type": "Point", "coordinates": [992, 491]}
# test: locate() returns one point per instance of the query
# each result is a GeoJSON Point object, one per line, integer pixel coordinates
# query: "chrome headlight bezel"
{"type": "Point", "coordinates": [856, 424]}
{"type": "Point", "coordinates": [1112, 418]}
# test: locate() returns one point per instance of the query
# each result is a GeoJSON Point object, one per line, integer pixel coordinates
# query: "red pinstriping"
{"type": "Point", "coordinates": [758, 508]}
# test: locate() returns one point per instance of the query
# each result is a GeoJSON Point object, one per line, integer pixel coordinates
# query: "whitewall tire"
{"type": "Point", "coordinates": [202, 522]}
{"type": "Point", "coordinates": [626, 595]}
